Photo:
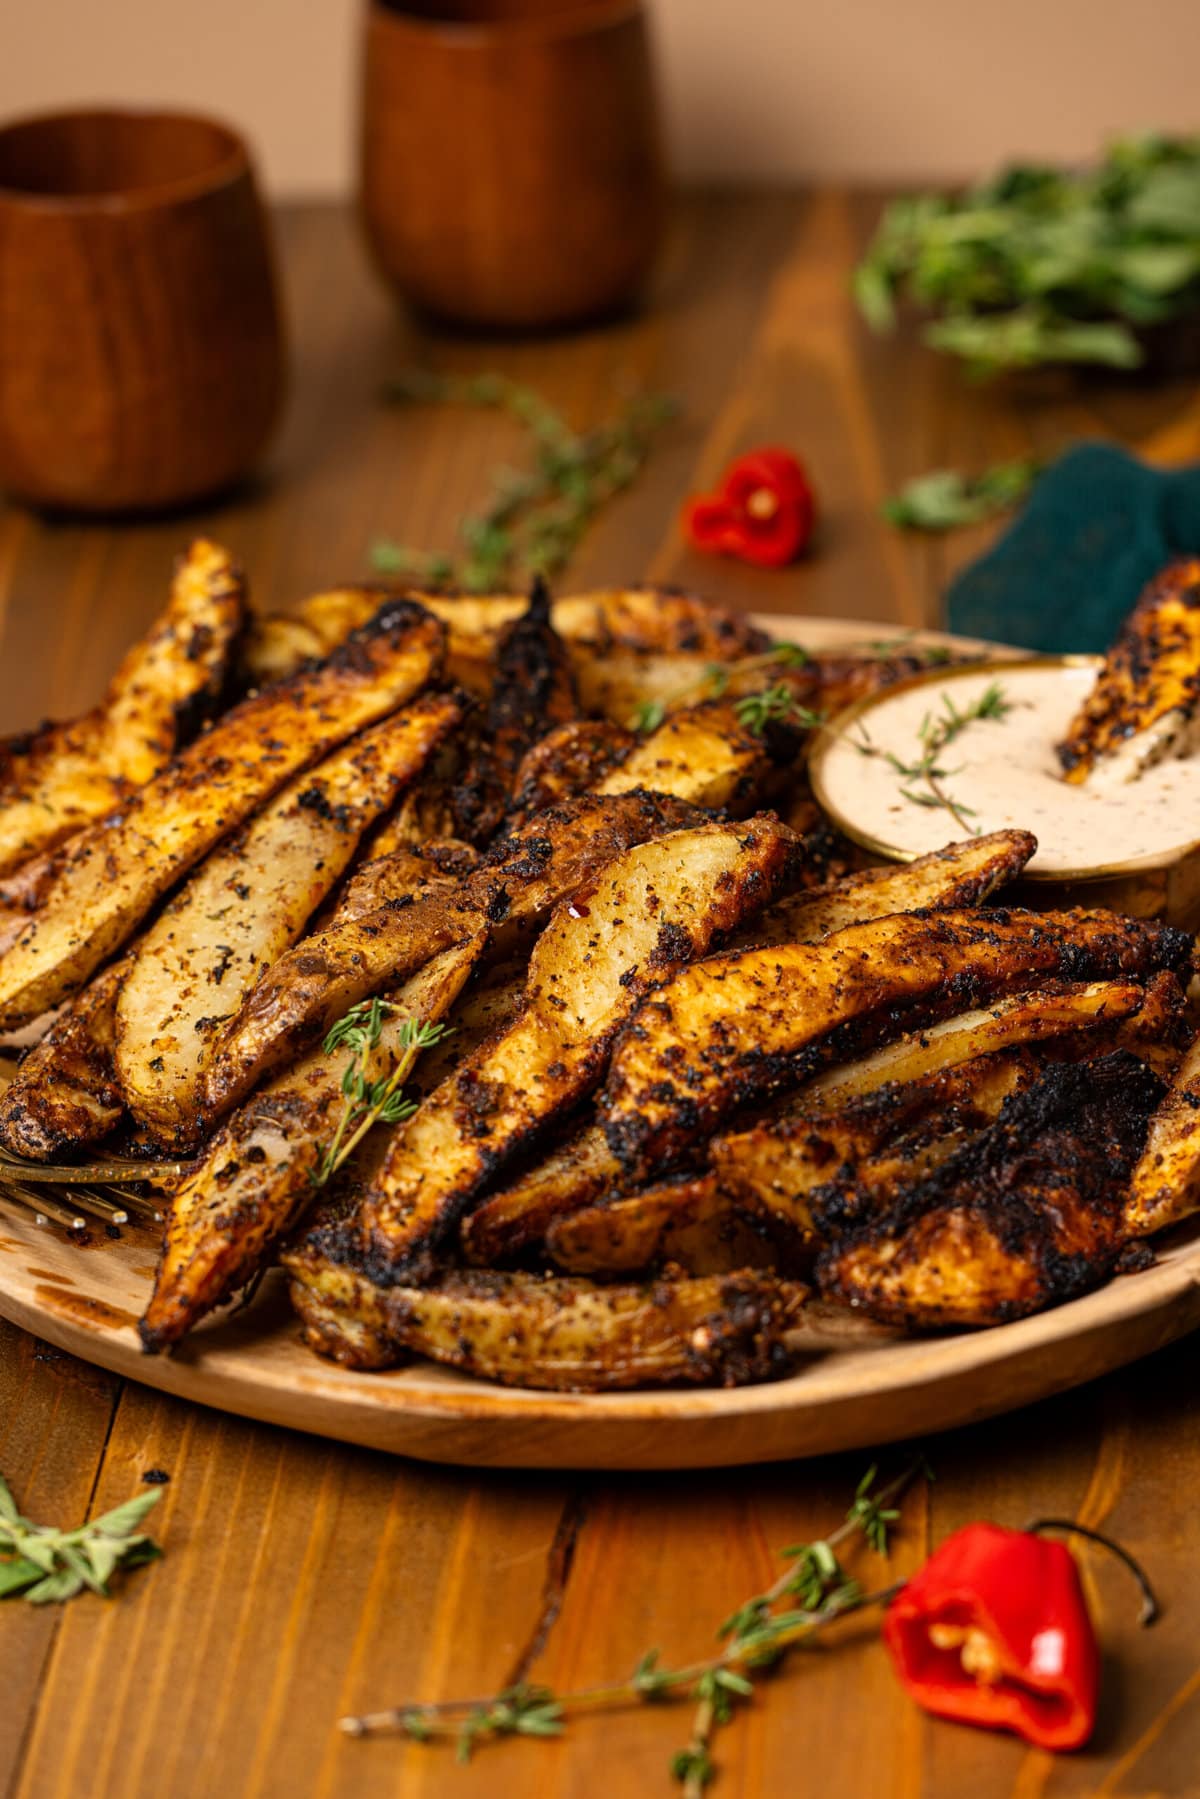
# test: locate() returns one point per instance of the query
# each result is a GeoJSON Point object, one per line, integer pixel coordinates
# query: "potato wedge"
{"type": "Point", "coordinates": [248, 902]}
{"type": "Point", "coordinates": [277, 643]}
{"type": "Point", "coordinates": [691, 1223]}
{"type": "Point", "coordinates": [257, 1175]}
{"type": "Point", "coordinates": [66, 1094]}
{"type": "Point", "coordinates": [738, 1028]}
{"type": "Point", "coordinates": [816, 1171]}
{"type": "Point", "coordinates": [703, 755]}
{"type": "Point", "coordinates": [1025, 1216]}
{"type": "Point", "coordinates": [533, 689]}
{"type": "Point", "coordinates": [569, 760]}
{"type": "Point", "coordinates": [1030, 1017]}
{"type": "Point", "coordinates": [123, 865]}
{"type": "Point", "coordinates": [554, 1333]}
{"type": "Point", "coordinates": [581, 1169]}
{"type": "Point", "coordinates": [962, 874]}
{"type": "Point", "coordinates": [1165, 1185]}
{"type": "Point", "coordinates": [65, 775]}
{"type": "Point", "coordinates": [584, 1168]}
{"type": "Point", "coordinates": [648, 912]}
{"type": "Point", "coordinates": [313, 984]}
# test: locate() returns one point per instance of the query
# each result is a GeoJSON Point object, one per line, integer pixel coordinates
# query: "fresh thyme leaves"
{"type": "Point", "coordinates": [775, 705]}
{"type": "Point", "coordinates": [715, 680]}
{"type": "Point", "coordinates": [1042, 265]}
{"type": "Point", "coordinates": [753, 1637]}
{"type": "Point", "coordinates": [535, 517]}
{"type": "Point", "coordinates": [945, 499]}
{"type": "Point", "coordinates": [372, 1098]}
{"type": "Point", "coordinates": [45, 1565]}
{"type": "Point", "coordinates": [922, 779]}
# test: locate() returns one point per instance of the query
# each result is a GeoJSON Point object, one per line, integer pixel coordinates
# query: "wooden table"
{"type": "Point", "coordinates": [302, 1579]}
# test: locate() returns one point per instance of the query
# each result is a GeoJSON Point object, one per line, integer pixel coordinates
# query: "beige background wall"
{"type": "Point", "coordinates": [873, 89]}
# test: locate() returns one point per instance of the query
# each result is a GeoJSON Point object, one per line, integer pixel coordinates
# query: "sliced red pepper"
{"type": "Point", "coordinates": [994, 1630]}
{"type": "Point", "coordinates": [763, 511]}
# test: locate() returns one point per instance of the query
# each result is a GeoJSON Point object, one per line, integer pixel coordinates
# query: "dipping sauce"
{"type": "Point", "coordinates": [1006, 771]}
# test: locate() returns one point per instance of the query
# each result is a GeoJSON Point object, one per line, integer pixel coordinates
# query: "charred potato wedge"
{"type": "Point", "coordinates": [533, 688]}
{"type": "Point", "coordinates": [66, 1093]}
{"type": "Point", "coordinates": [689, 1223]}
{"type": "Point", "coordinates": [64, 776]}
{"type": "Point", "coordinates": [738, 1028]}
{"type": "Point", "coordinates": [1026, 1216]}
{"type": "Point", "coordinates": [554, 1333]}
{"type": "Point", "coordinates": [122, 866]}
{"type": "Point", "coordinates": [579, 1171]}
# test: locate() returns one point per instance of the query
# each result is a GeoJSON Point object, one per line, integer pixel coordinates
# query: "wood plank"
{"type": "Point", "coordinates": [300, 1580]}
{"type": "Point", "coordinates": [55, 1415]}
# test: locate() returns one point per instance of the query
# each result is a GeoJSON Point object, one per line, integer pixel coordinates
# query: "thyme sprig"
{"type": "Point", "coordinates": [753, 1638]}
{"type": "Point", "coordinates": [535, 517]}
{"type": "Point", "coordinates": [922, 780]}
{"type": "Point", "coordinates": [45, 1565]}
{"type": "Point", "coordinates": [714, 681]}
{"type": "Point", "coordinates": [372, 1098]}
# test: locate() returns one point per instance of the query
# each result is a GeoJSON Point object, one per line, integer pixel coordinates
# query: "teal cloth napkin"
{"type": "Point", "coordinates": [1097, 526]}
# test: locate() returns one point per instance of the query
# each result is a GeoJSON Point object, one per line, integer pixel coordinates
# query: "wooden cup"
{"type": "Point", "coordinates": [511, 168]}
{"type": "Point", "coordinates": [141, 354]}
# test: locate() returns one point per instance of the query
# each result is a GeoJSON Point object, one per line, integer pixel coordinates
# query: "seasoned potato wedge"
{"type": "Point", "coordinates": [703, 755]}
{"type": "Point", "coordinates": [122, 866]}
{"type": "Point", "coordinates": [962, 874]}
{"type": "Point", "coordinates": [1143, 705]}
{"type": "Point", "coordinates": [690, 1223]}
{"type": "Point", "coordinates": [1025, 1216]}
{"type": "Point", "coordinates": [533, 689]}
{"type": "Point", "coordinates": [740, 1027]}
{"type": "Point", "coordinates": [569, 760]}
{"type": "Point", "coordinates": [647, 913]}
{"type": "Point", "coordinates": [277, 644]}
{"type": "Point", "coordinates": [555, 1333]}
{"type": "Point", "coordinates": [816, 1170]}
{"type": "Point", "coordinates": [65, 775]}
{"type": "Point", "coordinates": [1165, 1185]}
{"type": "Point", "coordinates": [66, 1094]}
{"type": "Point", "coordinates": [257, 1175]}
{"type": "Point", "coordinates": [248, 903]}
{"type": "Point", "coordinates": [353, 957]}
{"type": "Point", "coordinates": [580, 1170]}
{"type": "Point", "coordinates": [1029, 1017]}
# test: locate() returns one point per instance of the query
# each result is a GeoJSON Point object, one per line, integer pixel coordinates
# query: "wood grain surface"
{"type": "Point", "coordinates": [304, 1579]}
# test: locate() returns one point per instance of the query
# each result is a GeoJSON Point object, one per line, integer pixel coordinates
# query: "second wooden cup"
{"type": "Point", "coordinates": [511, 169]}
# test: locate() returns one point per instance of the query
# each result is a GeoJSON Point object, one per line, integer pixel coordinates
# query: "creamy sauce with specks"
{"type": "Point", "coordinates": [1007, 772]}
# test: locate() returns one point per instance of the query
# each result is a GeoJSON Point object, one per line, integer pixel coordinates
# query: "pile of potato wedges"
{"type": "Point", "coordinates": [688, 1091]}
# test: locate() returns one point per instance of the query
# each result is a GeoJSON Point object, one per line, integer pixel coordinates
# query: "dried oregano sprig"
{"type": "Point", "coordinates": [371, 1099]}
{"type": "Point", "coordinates": [754, 1637]}
{"type": "Point", "coordinates": [535, 518]}
{"type": "Point", "coordinates": [45, 1565]}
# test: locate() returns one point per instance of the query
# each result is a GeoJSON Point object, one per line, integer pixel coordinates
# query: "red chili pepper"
{"type": "Point", "coordinates": [762, 512]}
{"type": "Point", "coordinates": [994, 1630]}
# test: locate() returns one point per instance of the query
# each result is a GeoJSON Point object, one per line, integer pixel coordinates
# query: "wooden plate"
{"type": "Point", "coordinates": [85, 1297]}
